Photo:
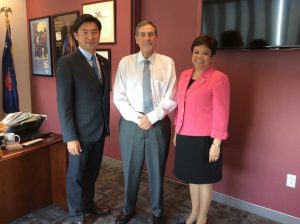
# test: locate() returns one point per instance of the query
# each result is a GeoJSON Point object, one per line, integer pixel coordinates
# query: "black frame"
{"type": "Point", "coordinates": [108, 57]}
{"type": "Point", "coordinates": [62, 26]}
{"type": "Point", "coordinates": [40, 45]}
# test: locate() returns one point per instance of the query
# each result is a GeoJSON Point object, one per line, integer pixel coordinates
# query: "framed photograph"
{"type": "Point", "coordinates": [40, 44]}
{"type": "Point", "coordinates": [63, 38]}
{"type": "Point", "coordinates": [107, 54]}
{"type": "Point", "coordinates": [106, 13]}
{"type": "Point", "coordinates": [104, 53]}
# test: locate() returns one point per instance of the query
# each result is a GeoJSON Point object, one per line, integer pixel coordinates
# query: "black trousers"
{"type": "Point", "coordinates": [83, 170]}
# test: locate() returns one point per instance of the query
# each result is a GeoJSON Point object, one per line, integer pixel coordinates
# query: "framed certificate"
{"type": "Point", "coordinates": [106, 13]}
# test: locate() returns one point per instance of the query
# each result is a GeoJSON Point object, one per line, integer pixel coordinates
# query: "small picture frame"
{"type": "Point", "coordinates": [63, 38]}
{"type": "Point", "coordinates": [107, 54]}
{"type": "Point", "coordinates": [105, 11]}
{"type": "Point", "coordinates": [40, 45]}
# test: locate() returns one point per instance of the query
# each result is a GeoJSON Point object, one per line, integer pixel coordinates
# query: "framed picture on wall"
{"type": "Point", "coordinates": [107, 54]}
{"type": "Point", "coordinates": [63, 38]}
{"type": "Point", "coordinates": [106, 13]}
{"type": "Point", "coordinates": [40, 44]}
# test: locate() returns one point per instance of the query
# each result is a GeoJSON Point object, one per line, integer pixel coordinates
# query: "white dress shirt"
{"type": "Point", "coordinates": [128, 87]}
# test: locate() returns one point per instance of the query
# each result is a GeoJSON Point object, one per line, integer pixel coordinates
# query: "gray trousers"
{"type": "Point", "coordinates": [138, 146]}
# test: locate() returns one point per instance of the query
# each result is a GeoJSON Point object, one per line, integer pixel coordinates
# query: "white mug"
{"type": "Point", "coordinates": [2, 140]}
{"type": "Point", "coordinates": [11, 138]}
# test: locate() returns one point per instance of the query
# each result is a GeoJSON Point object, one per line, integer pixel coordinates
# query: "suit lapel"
{"type": "Point", "coordinates": [199, 82]}
{"type": "Point", "coordinates": [103, 73]}
{"type": "Point", "coordinates": [186, 79]}
{"type": "Point", "coordinates": [91, 72]}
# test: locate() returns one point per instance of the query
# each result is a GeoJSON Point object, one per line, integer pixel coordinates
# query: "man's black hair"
{"type": "Point", "coordinates": [85, 18]}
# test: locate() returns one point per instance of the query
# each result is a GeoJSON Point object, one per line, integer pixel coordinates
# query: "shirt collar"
{"type": "Point", "coordinates": [142, 59]}
{"type": "Point", "coordinates": [86, 54]}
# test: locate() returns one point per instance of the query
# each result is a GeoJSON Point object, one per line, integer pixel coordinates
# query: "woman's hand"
{"type": "Point", "coordinates": [174, 139]}
{"type": "Point", "coordinates": [214, 151]}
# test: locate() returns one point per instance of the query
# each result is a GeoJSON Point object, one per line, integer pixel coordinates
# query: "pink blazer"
{"type": "Point", "coordinates": [203, 108]}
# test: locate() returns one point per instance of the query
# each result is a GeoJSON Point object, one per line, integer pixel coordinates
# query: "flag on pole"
{"type": "Point", "coordinates": [9, 81]}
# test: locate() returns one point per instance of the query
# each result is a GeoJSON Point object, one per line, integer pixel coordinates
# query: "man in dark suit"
{"type": "Point", "coordinates": [83, 98]}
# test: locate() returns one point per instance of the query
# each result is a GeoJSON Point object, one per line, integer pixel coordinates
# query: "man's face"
{"type": "Point", "coordinates": [88, 36]}
{"type": "Point", "coordinates": [146, 39]}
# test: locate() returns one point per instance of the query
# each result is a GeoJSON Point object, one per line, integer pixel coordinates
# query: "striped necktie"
{"type": "Point", "coordinates": [147, 92]}
{"type": "Point", "coordinates": [96, 69]}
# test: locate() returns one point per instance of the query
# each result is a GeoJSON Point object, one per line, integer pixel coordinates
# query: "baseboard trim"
{"type": "Point", "coordinates": [255, 209]}
{"type": "Point", "coordinates": [234, 202]}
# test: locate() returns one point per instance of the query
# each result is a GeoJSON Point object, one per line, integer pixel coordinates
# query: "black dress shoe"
{"type": "Point", "coordinates": [99, 211]}
{"type": "Point", "coordinates": [157, 220]}
{"type": "Point", "coordinates": [123, 219]}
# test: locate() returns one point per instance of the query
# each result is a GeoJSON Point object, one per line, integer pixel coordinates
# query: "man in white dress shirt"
{"type": "Point", "coordinates": [144, 133]}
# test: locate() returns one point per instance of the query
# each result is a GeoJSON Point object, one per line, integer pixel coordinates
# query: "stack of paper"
{"type": "Point", "coordinates": [19, 117]}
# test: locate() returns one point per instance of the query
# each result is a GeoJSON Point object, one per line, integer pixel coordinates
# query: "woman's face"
{"type": "Point", "coordinates": [201, 57]}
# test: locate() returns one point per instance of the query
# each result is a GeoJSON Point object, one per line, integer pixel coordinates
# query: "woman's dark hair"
{"type": "Point", "coordinates": [206, 40]}
{"type": "Point", "coordinates": [83, 19]}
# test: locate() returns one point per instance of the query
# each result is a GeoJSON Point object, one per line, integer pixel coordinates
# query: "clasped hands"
{"type": "Point", "coordinates": [144, 122]}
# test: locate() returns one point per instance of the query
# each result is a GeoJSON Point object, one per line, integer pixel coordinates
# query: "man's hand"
{"type": "Point", "coordinates": [74, 147]}
{"type": "Point", "coordinates": [145, 122]}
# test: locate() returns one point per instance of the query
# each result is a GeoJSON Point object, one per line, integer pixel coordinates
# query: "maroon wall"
{"type": "Point", "coordinates": [264, 127]}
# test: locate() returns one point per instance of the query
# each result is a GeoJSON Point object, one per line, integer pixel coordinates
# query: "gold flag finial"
{"type": "Point", "coordinates": [6, 10]}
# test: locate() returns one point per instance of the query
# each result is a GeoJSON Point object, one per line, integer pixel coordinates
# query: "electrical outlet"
{"type": "Point", "coordinates": [291, 181]}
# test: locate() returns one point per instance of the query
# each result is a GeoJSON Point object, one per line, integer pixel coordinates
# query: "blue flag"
{"type": "Point", "coordinates": [9, 81]}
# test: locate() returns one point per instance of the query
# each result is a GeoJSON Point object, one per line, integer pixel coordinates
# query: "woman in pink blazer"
{"type": "Point", "coordinates": [201, 123]}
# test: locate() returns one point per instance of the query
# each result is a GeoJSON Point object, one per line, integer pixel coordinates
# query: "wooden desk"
{"type": "Point", "coordinates": [32, 177]}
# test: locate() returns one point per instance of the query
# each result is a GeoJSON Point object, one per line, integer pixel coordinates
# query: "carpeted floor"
{"type": "Point", "coordinates": [109, 192]}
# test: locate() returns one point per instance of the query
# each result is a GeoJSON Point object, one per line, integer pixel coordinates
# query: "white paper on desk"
{"type": "Point", "coordinates": [14, 118]}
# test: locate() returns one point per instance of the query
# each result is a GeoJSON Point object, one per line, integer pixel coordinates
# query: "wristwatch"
{"type": "Point", "coordinates": [216, 145]}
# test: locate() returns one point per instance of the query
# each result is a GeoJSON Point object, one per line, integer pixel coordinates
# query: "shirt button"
{"type": "Point", "coordinates": [182, 110]}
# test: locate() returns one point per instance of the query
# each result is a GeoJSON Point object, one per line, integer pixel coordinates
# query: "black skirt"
{"type": "Point", "coordinates": [192, 160]}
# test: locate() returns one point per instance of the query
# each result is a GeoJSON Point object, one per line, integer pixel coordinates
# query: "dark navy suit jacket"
{"type": "Point", "coordinates": [83, 103]}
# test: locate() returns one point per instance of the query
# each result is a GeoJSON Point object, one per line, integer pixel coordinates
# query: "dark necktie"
{"type": "Point", "coordinates": [96, 69]}
{"type": "Point", "coordinates": [147, 92]}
